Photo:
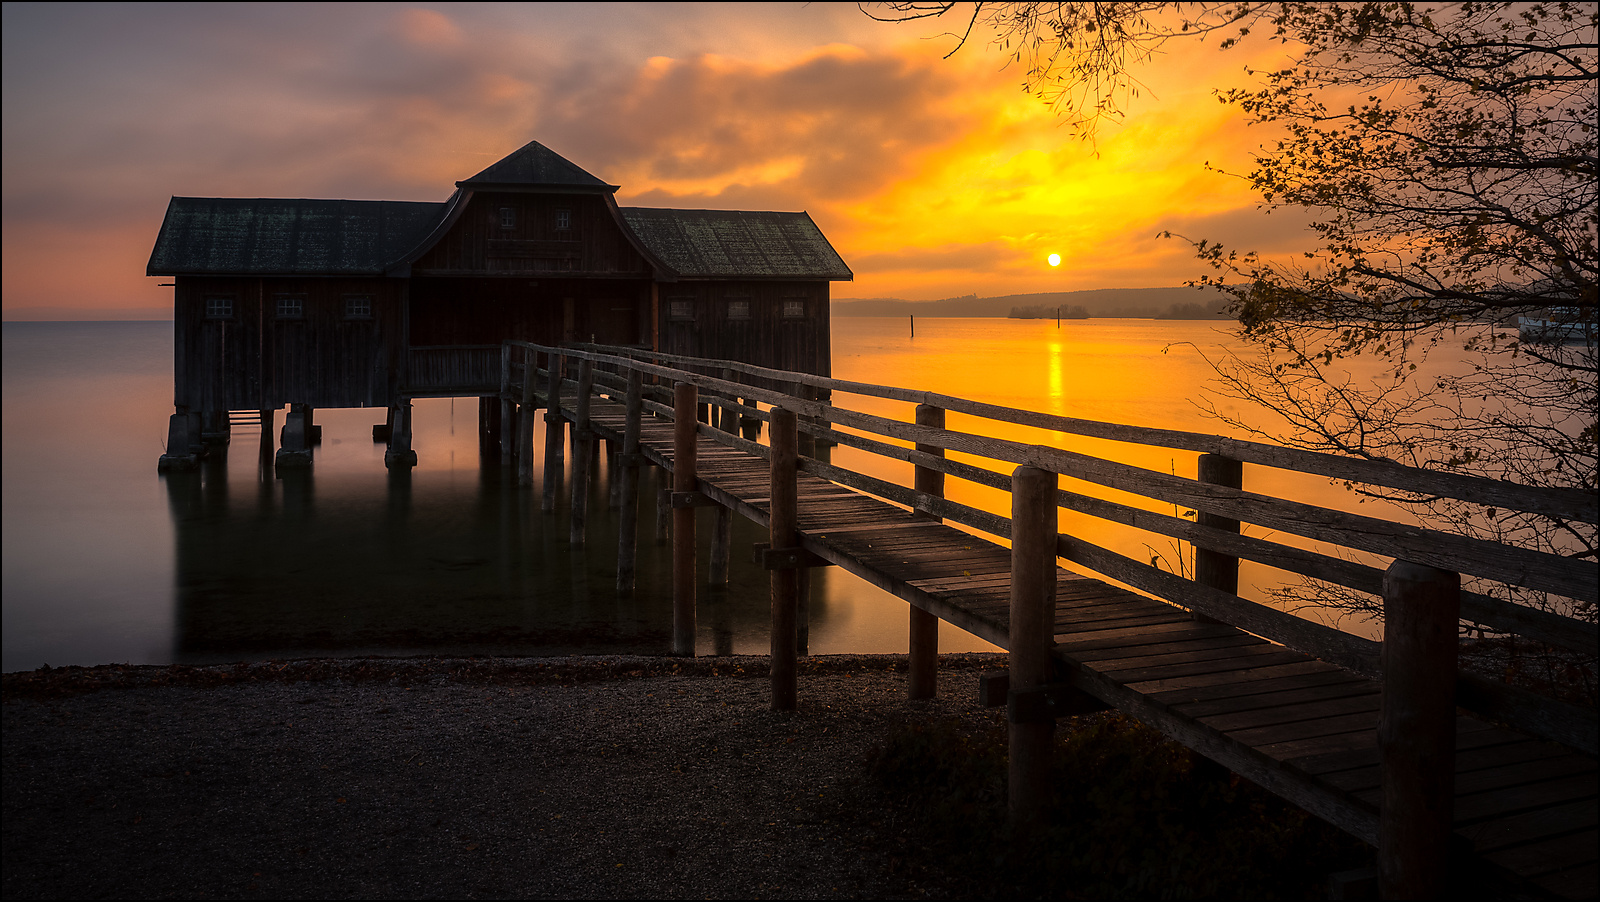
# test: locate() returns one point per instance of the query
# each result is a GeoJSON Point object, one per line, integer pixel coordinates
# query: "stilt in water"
{"type": "Point", "coordinates": [294, 445]}
{"type": "Point", "coordinates": [400, 453]}
{"type": "Point", "coordinates": [178, 456]}
{"type": "Point", "coordinates": [552, 436]}
{"type": "Point", "coordinates": [628, 479]}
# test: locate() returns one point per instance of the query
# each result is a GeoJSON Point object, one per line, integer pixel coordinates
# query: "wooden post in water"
{"type": "Point", "coordinates": [1417, 730]}
{"type": "Point", "coordinates": [685, 403]}
{"type": "Point", "coordinates": [925, 626]}
{"type": "Point", "coordinates": [663, 514]}
{"type": "Point", "coordinates": [722, 527]}
{"type": "Point", "coordinates": [1213, 568]}
{"type": "Point", "coordinates": [552, 435]}
{"type": "Point", "coordinates": [267, 447]}
{"type": "Point", "coordinates": [530, 403]}
{"type": "Point", "coordinates": [1033, 590]}
{"type": "Point", "coordinates": [582, 455]}
{"type": "Point", "coordinates": [628, 517]}
{"type": "Point", "coordinates": [506, 432]}
{"type": "Point", "coordinates": [785, 587]}
{"type": "Point", "coordinates": [399, 453]}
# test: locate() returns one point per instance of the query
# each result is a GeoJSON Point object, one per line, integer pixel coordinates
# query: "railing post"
{"type": "Point", "coordinates": [530, 403]}
{"type": "Point", "coordinates": [684, 407]}
{"type": "Point", "coordinates": [1417, 730]}
{"type": "Point", "coordinates": [1213, 568]}
{"type": "Point", "coordinates": [783, 535]}
{"type": "Point", "coordinates": [628, 518]}
{"type": "Point", "coordinates": [582, 454]}
{"type": "Point", "coordinates": [1033, 589]}
{"type": "Point", "coordinates": [552, 435]}
{"type": "Point", "coordinates": [749, 427]}
{"type": "Point", "coordinates": [925, 626]}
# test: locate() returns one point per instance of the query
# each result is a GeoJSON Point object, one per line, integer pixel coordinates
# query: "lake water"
{"type": "Point", "coordinates": [107, 561]}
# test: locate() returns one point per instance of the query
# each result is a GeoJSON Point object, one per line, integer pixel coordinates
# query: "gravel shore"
{"type": "Point", "coordinates": [623, 777]}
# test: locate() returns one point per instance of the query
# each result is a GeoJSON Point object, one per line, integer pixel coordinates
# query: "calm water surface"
{"type": "Point", "coordinates": [107, 561]}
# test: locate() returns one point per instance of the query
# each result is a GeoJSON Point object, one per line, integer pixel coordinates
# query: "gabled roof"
{"type": "Point", "coordinates": [535, 167]}
{"type": "Point", "coordinates": [266, 236]}
{"type": "Point", "coordinates": [737, 244]}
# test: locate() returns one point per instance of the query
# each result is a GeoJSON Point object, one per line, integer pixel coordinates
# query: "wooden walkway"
{"type": "Point", "coordinates": [1293, 724]}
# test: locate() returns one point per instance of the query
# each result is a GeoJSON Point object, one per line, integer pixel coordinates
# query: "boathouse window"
{"type": "Point", "coordinates": [794, 308]}
{"type": "Point", "coordinates": [680, 310]}
{"type": "Point", "coordinates": [219, 306]}
{"type": "Point", "coordinates": [358, 306]}
{"type": "Point", "coordinates": [291, 306]}
{"type": "Point", "coordinates": [508, 217]}
{"type": "Point", "coordinates": [563, 220]}
{"type": "Point", "coordinates": [738, 308]}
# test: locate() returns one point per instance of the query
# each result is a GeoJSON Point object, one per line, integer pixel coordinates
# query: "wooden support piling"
{"type": "Point", "coordinates": [685, 404]}
{"type": "Point", "coordinates": [582, 455]}
{"type": "Point", "coordinates": [552, 436]}
{"type": "Point", "coordinates": [1033, 589]}
{"type": "Point", "coordinates": [1213, 568]}
{"type": "Point", "coordinates": [294, 445]}
{"type": "Point", "coordinates": [722, 526]}
{"type": "Point", "coordinates": [507, 408]}
{"type": "Point", "coordinates": [525, 415]}
{"type": "Point", "coordinates": [399, 453]}
{"type": "Point", "coordinates": [628, 516]}
{"type": "Point", "coordinates": [785, 587]}
{"type": "Point", "coordinates": [663, 515]}
{"type": "Point", "coordinates": [1417, 730]}
{"type": "Point", "coordinates": [721, 547]}
{"type": "Point", "coordinates": [924, 627]}
{"type": "Point", "coordinates": [267, 448]}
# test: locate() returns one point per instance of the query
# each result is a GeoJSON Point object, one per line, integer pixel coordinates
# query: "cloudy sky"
{"type": "Point", "coordinates": [933, 177]}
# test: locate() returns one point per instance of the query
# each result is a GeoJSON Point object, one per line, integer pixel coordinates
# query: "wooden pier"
{"type": "Point", "coordinates": [1357, 732]}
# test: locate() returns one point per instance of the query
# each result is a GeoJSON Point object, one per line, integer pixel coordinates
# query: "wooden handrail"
{"type": "Point", "coordinates": [1570, 504]}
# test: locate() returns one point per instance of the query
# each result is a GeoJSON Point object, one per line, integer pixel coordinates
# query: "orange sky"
{"type": "Point", "coordinates": [932, 177]}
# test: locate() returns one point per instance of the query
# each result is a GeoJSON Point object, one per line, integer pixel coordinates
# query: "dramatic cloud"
{"type": "Point", "coordinates": [932, 177]}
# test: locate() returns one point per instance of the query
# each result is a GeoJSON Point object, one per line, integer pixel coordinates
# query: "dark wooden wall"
{"type": "Point", "coordinates": [766, 338]}
{"type": "Point", "coordinates": [255, 359]}
{"type": "Point", "coordinates": [469, 311]}
{"type": "Point", "coordinates": [478, 244]}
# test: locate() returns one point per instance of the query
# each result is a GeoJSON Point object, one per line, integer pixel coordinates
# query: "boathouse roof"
{"type": "Point", "coordinates": [728, 244]}
{"type": "Point", "coordinates": [270, 236]}
{"type": "Point", "coordinates": [304, 237]}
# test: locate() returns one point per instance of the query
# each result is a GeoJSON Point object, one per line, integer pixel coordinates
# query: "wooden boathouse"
{"type": "Point", "coordinates": [317, 303]}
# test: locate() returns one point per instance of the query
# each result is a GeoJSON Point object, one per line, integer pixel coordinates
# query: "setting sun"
{"type": "Point", "coordinates": [1055, 259]}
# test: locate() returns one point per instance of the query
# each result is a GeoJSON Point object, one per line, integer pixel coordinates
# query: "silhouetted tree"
{"type": "Point", "coordinates": [1448, 154]}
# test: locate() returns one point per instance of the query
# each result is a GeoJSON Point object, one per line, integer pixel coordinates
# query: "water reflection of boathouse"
{"type": "Point", "coordinates": [342, 303]}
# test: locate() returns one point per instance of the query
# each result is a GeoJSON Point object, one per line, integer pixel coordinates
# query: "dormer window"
{"type": "Point", "coordinates": [563, 220]}
{"type": "Point", "coordinates": [508, 217]}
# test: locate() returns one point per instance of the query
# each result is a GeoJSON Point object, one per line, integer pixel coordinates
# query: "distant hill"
{"type": "Point", "coordinates": [1102, 302]}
